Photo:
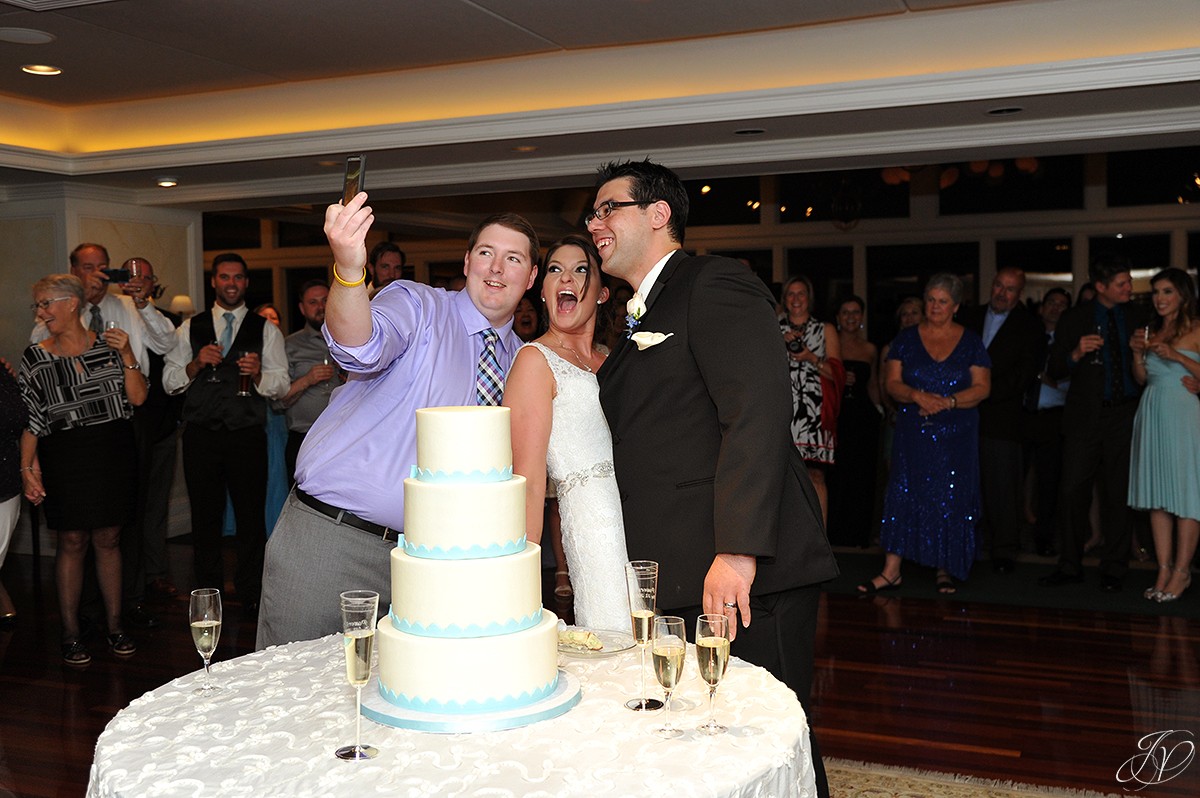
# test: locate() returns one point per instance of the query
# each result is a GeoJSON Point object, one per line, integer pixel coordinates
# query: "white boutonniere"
{"type": "Point", "coordinates": [645, 340]}
{"type": "Point", "coordinates": [634, 309]}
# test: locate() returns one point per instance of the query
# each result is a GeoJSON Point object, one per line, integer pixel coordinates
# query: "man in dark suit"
{"type": "Point", "coordinates": [698, 401]}
{"type": "Point", "coordinates": [1012, 336]}
{"type": "Point", "coordinates": [1091, 348]}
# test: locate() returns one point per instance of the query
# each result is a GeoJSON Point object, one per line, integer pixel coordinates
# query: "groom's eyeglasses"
{"type": "Point", "coordinates": [605, 209]}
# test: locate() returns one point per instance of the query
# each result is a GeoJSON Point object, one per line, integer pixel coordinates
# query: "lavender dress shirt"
{"type": "Point", "coordinates": [423, 352]}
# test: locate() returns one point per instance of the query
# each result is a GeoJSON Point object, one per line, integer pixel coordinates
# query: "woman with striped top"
{"type": "Point", "coordinates": [77, 453]}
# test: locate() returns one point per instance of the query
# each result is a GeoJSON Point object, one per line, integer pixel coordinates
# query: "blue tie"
{"type": "Point", "coordinates": [227, 335]}
{"type": "Point", "coordinates": [489, 378]}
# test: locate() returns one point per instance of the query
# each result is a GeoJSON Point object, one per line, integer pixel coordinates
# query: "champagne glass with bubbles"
{"type": "Point", "coordinates": [641, 578]}
{"type": "Point", "coordinates": [669, 652]}
{"type": "Point", "coordinates": [204, 615]}
{"type": "Point", "coordinates": [359, 612]}
{"type": "Point", "coordinates": [712, 655]}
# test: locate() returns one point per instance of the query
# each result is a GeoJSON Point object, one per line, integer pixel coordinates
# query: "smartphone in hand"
{"type": "Point", "coordinates": [356, 166]}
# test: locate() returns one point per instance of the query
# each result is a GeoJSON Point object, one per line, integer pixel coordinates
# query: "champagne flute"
{"type": "Point", "coordinates": [359, 613]}
{"type": "Point", "coordinates": [712, 655]}
{"type": "Point", "coordinates": [204, 615]}
{"type": "Point", "coordinates": [212, 370]}
{"type": "Point", "coordinates": [641, 578]}
{"type": "Point", "coordinates": [669, 649]}
{"type": "Point", "coordinates": [112, 353]}
{"type": "Point", "coordinates": [1097, 356]}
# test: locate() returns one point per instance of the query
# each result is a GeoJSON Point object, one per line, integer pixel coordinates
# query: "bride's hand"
{"type": "Point", "coordinates": [728, 582]}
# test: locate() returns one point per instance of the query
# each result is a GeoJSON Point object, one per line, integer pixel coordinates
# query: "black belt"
{"type": "Point", "coordinates": [345, 517]}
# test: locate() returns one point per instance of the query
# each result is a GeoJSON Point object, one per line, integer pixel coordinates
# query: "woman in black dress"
{"type": "Point", "coordinates": [77, 452]}
{"type": "Point", "coordinates": [12, 422]}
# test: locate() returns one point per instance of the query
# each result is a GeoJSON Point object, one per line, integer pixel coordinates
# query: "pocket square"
{"type": "Point", "coordinates": [645, 340]}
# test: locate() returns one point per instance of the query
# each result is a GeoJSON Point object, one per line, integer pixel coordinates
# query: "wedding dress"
{"type": "Point", "coordinates": [579, 460]}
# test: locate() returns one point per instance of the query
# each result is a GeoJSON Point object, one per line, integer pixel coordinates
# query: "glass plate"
{"type": "Point", "coordinates": [613, 642]}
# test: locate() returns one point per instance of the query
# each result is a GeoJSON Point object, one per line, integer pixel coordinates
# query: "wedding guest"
{"type": "Point", "coordinates": [385, 265]}
{"type": "Point", "coordinates": [814, 362]}
{"type": "Point", "coordinates": [558, 429]}
{"type": "Point", "coordinates": [1043, 428]}
{"type": "Point", "coordinates": [909, 312]}
{"type": "Point", "coordinates": [79, 390]}
{"type": "Point", "coordinates": [279, 476]}
{"type": "Point", "coordinates": [1164, 470]}
{"type": "Point", "coordinates": [412, 346]}
{"type": "Point", "coordinates": [856, 458]}
{"type": "Point", "coordinates": [525, 319]}
{"type": "Point", "coordinates": [269, 312]}
{"type": "Point", "coordinates": [311, 369]}
{"type": "Point", "coordinates": [937, 372]}
{"type": "Point", "coordinates": [1091, 347]}
{"type": "Point", "coordinates": [13, 418]}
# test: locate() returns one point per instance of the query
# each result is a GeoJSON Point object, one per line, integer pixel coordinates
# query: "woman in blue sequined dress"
{"type": "Point", "coordinates": [1164, 466]}
{"type": "Point", "coordinates": [937, 372]}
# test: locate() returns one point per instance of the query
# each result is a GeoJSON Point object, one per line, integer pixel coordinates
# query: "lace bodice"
{"type": "Point", "coordinates": [579, 460]}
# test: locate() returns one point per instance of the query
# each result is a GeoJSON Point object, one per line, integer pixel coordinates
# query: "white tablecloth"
{"type": "Point", "coordinates": [284, 710]}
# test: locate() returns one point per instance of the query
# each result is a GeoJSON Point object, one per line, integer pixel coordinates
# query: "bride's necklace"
{"type": "Point", "coordinates": [583, 363]}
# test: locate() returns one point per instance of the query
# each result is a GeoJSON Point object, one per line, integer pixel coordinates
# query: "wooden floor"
{"type": "Point", "coordinates": [1050, 697]}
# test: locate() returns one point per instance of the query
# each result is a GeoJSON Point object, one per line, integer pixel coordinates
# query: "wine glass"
{"type": "Point", "coordinates": [359, 612]}
{"type": "Point", "coordinates": [204, 615]}
{"type": "Point", "coordinates": [641, 578]}
{"type": "Point", "coordinates": [212, 370]}
{"type": "Point", "coordinates": [1097, 356]}
{"type": "Point", "coordinates": [712, 655]}
{"type": "Point", "coordinates": [669, 651]}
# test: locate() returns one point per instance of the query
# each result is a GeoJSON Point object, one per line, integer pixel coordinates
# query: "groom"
{"type": "Point", "coordinates": [699, 404]}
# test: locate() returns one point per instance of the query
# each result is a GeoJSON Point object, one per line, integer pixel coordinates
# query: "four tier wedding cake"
{"type": "Point", "coordinates": [466, 633]}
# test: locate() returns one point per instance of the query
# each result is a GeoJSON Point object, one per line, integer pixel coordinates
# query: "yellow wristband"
{"type": "Point", "coordinates": [357, 282]}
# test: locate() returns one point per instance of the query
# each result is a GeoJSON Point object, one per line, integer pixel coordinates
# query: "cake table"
{"type": "Point", "coordinates": [283, 711]}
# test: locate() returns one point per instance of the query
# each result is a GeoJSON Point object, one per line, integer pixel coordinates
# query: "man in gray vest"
{"type": "Point", "coordinates": [216, 356]}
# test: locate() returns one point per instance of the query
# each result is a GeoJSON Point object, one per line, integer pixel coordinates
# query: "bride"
{"type": "Point", "coordinates": [559, 428]}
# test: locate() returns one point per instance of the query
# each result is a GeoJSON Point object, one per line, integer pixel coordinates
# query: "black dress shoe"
{"type": "Point", "coordinates": [1003, 565]}
{"type": "Point", "coordinates": [1060, 578]}
{"type": "Point", "coordinates": [1110, 583]}
{"type": "Point", "coordinates": [138, 616]}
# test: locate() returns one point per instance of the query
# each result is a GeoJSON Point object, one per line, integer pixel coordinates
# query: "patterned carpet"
{"type": "Point", "coordinates": [864, 780]}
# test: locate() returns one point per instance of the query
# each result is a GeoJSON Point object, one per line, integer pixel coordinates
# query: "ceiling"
{"type": "Point", "coordinates": [254, 105]}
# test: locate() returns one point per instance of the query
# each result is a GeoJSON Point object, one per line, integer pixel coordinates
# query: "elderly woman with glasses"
{"type": "Point", "coordinates": [77, 452]}
{"type": "Point", "coordinates": [937, 372]}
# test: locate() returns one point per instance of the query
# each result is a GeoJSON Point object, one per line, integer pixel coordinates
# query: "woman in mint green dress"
{"type": "Point", "coordinates": [1164, 470]}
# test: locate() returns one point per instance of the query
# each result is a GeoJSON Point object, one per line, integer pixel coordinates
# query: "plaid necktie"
{"type": "Point", "coordinates": [96, 324]}
{"type": "Point", "coordinates": [489, 378]}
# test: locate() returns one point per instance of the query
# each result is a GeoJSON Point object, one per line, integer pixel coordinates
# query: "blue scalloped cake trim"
{"type": "Point", "coordinates": [468, 707]}
{"type": "Point", "coordinates": [470, 630]}
{"type": "Point", "coordinates": [423, 552]}
{"type": "Point", "coordinates": [491, 475]}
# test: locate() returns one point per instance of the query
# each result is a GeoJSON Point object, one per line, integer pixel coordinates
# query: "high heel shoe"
{"type": "Point", "coordinates": [1152, 593]}
{"type": "Point", "coordinates": [563, 589]}
{"type": "Point", "coordinates": [1167, 596]}
{"type": "Point", "coordinates": [868, 588]}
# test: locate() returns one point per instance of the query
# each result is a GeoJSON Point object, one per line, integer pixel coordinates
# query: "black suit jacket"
{"type": "Point", "coordinates": [1086, 394]}
{"type": "Point", "coordinates": [1015, 365]}
{"type": "Point", "coordinates": [701, 440]}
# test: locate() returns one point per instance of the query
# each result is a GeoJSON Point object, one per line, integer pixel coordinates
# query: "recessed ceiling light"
{"type": "Point", "coordinates": [749, 131]}
{"type": "Point", "coordinates": [41, 69]}
{"type": "Point", "coordinates": [525, 148]}
{"type": "Point", "coordinates": [25, 36]}
{"type": "Point", "coordinates": [166, 182]}
{"type": "Point", "coordinates": [705, 189]}
{"type": "Point", "coordinates": [1005, 111]}
{"type": "Point", "coordinates": [329, 164]}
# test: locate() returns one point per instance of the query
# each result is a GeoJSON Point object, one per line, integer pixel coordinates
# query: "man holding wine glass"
{"type": "Point", "coordinates": [224, 440]}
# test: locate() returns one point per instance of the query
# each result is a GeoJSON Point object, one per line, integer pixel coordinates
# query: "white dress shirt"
{"type": "Point", "coordinates": [274, 383]}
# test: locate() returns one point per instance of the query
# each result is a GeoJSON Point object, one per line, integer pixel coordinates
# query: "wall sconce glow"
{"type": "Point", "coordinates": [705, 189]}
{"type": "Point", "coordinates": [166, 182]}
{"type": "Point", "coordinates": [755, 206]}
{"type": "Point", "coordinates": [808, 211]}
{"type": "Point", "coordinates": [43, 70]}
{"type": "Point", "coordinates": [783, 209]}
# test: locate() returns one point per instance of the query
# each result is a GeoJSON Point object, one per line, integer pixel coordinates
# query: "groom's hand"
{"type": "Point", "coordinates": [728, 582]}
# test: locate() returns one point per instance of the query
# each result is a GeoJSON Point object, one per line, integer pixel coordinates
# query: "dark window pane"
{"type": "Point", "coordinates": [898, 271]}
{"type": "Point", "coordinates": [1154, 177]}
{"type": "Point", "coordinates": [230, 232]}
{"type": "Point", "coordinates": [1193, 256]}
{"type": "Point", "coordinates": [1046, 262]}
{"type": "Point", "coordinates": [1020, 184]}
{"type": "Point", "coordinates": [1145, 251]}
{"type": "Point", "coordinates": [831, 270]}
{"type": "Point", "coordinates": [730, 200]}
{"type": "Point", "coordinates": [842, 197]}
{"type": "Point", "coordinates": [291, 234]}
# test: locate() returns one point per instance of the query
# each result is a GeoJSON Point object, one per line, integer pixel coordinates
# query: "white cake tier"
{"type": "Point", "coordinates": [466, 598]}
{"type": "Point", "coordinates": [464, 444]}
{"type": "Point", "coordinates": [440, 522]}
{"type": "Point", "coordinates": [468, 675]}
